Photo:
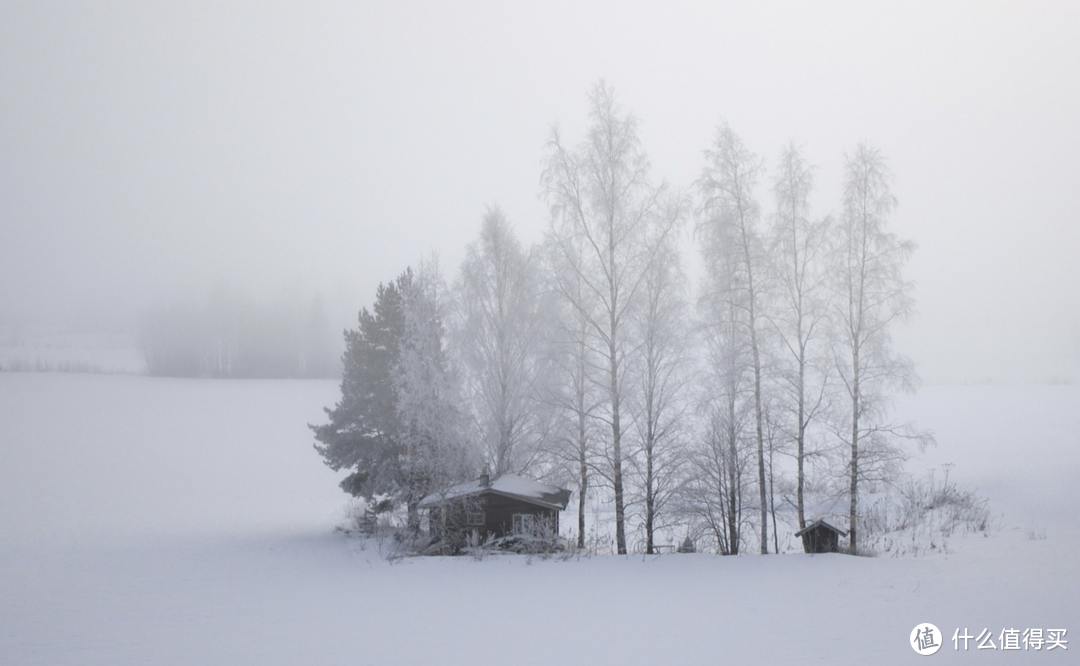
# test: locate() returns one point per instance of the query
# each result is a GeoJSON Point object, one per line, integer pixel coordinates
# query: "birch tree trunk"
{"type": "Point", "coordinates": [603, 203]}
{"type": "Point", "coordinates": [727, 186]}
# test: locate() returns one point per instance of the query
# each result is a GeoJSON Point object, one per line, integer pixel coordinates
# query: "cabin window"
{"type": "Point", "coordinates": [524, 523]}
{"type": "Point", "coordinates": [475, 517]}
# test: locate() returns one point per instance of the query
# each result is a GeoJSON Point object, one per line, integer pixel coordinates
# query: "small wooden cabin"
{"type": "Point", "coordinates": [504, 506]}
{"type": "Point", "coordinates": [820, 537]}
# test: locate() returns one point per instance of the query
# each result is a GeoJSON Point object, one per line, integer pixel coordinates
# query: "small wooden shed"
{"type": "Point", "coordinates": [505, 506]}
{"type": "Point", "coordinates": [820, 537]}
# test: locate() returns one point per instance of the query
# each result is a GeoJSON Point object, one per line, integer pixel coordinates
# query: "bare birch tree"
{"type": "Point", "coordinates": [498, 336]}
{"type": "Point", "coordinates": [727, 185]}
{"type": "Point", "coordinates": [661, 377]}
{"type": "Point", "coordinates": [600, 193]}
{"type": "Point", "coordinates": [576, 363]}
{"type": "Point", "coordinates": [872, 296]}
{"type": "Point", "coordinates": [719, 468]}
{"type": "Point", "coordinates": [800, 311]}
{"type": "Point", "coordinates": [722, 458]}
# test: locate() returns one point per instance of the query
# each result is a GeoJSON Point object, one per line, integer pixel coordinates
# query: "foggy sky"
{"type": "Point", "coordinates": [149, 149]}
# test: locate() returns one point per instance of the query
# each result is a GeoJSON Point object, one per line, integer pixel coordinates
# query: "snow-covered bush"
{"type": "Point", "coordinates": [922, 516]}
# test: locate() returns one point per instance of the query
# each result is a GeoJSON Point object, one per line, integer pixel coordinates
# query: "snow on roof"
{"type": "Point", "coordinates": [508, 485]}
{"type": "Point", "coordinates": [819, 523]}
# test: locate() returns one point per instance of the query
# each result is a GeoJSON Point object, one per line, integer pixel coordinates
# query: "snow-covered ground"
{"type": "Point", "coordinates": [157, 521]}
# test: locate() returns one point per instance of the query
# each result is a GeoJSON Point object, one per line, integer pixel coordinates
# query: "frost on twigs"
{"type": "Point", "coordinates": [922, 516]}
{"type": "Point", "coordinates": [373, 524]}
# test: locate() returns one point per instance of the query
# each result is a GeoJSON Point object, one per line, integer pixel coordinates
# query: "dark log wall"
{"type": "Point", "coordinates": [499, 514]}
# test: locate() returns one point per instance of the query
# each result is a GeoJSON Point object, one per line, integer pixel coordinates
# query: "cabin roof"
{"type": "Point", "coordinates": [507, 485]}
{"type": "Point", "coordinates": [820, 523]}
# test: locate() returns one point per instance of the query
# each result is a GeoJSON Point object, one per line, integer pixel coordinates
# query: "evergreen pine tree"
{"type": "Point", "coordinates": [365, 430]}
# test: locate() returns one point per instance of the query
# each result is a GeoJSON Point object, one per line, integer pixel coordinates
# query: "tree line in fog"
{"type": "Point", "coordinates": [759, 395]}
{"type": "Point", "coordinates": [225, 334]}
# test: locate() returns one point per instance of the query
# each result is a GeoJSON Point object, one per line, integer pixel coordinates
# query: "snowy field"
{"type": "Point", "coordinates": [45, 348]}
{"type": "Point", "coordinates": [156, 521]}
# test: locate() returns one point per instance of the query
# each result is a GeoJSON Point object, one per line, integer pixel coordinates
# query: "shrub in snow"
{"type": "Point", "coordinates": [922, 516]}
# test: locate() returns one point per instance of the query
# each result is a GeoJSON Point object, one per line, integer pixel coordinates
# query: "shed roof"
{"type": "Point", "coordinates": [507, 485]}
{"type": "Point", "coordinates": [820, 523]}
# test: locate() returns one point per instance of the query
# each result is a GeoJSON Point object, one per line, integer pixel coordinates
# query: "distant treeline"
{"type": "Point", "coordinates": [232, 336]}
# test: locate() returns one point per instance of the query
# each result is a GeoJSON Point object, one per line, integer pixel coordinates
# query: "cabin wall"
{"type": "Point", "coordinates": [499, 514]}
{"type": "Point", "coordinates": [498, 522]}
{"type": "Point", "coordinates": [821, 540]}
